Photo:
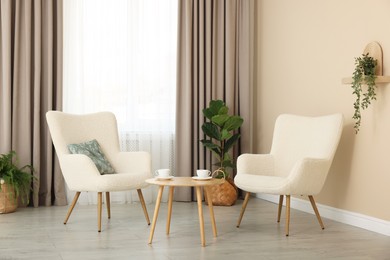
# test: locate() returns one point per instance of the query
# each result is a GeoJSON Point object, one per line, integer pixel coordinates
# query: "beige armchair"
{"type": "Point", "coordinates": [301, 155]}
{"type": "Point", "coordinates": [81, 173]}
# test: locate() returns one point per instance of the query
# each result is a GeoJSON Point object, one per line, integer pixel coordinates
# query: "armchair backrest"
{"type": "Point", "coordinates": [297, 137]}
{"type": "Point", "coordinates": [69, 129]}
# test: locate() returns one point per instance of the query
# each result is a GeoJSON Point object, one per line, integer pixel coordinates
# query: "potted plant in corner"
{"type": "Point", "coordinates": [364, 74]}
{"type": "Point", "coordinates": [220, 131]}
{"type": "Point", "coordinates": [15, 182]}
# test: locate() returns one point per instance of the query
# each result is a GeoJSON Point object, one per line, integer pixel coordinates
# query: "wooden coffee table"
{"type": "Point", "coordinates": [185, 182]}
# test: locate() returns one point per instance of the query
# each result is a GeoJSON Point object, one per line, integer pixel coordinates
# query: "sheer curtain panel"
{"type": "Point", "coordinates": [120, 56]}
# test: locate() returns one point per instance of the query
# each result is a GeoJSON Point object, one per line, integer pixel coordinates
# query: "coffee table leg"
{"type": "Point", "coordinates": [209, 201]}
{"type": "Point", "coordinates": [200, 212]}
{"type": "Point", "coordinates": [170, 199]}
{"type": "Point", "coordinates": [156, 209]}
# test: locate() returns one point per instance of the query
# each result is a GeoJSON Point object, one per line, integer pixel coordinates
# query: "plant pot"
{"type": "Point", "coordinates": [224, 194]}
{"type": "Point", "coordinates": [8, 203]}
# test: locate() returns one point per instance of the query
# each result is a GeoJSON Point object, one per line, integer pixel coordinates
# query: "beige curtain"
{"type": "Point", "coordinates": [215, 61]}
{"type": "Point", "coordinates": [30, 85]}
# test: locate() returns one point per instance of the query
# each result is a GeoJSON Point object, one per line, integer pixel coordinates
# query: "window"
{"type": "Point", "coordinates": [120, 56]}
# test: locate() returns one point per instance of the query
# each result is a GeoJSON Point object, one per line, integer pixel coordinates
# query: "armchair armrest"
{"type": "Point", "coordinates": [77, 169]}
{"type": "Point", "coordinates": [308, 176]}
{"type": "Point", "coordinates": [256, 164]}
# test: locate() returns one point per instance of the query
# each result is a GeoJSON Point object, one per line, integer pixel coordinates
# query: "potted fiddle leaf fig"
{"type": "Point", "coordinates": [15, 182]}
{"type": "Point", "coordinates": [221, 135]}
{"type": "Point", "coordinates": [364, 74]}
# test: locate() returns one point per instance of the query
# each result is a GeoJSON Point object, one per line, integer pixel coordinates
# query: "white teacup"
{"type": "Point", "coordinates": [203, 173]}
{"type": "Point", "coordinates": [164, 173]}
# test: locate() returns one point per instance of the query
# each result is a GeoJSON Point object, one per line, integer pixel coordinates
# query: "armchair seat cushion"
{"type": "Point", "coordinates": [113, 182]}
{"type": "Point", "coordinates": [122, 181]}
{"type": "Point", "coordinates": [262, 183]}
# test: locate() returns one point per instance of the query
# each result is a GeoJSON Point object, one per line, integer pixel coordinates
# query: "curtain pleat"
{"type": "Point", "coordinates": [31, 85]}
{"type": "Point", "coordinates": [214, 62]}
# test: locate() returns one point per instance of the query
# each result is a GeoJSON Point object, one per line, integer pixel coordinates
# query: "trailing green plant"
{"type": "Point", "coordinates": [18, 178]}
{"type": "Point", "coordinates": [219, 129]}
{"type": "Point", "coordinates": [364, 74]}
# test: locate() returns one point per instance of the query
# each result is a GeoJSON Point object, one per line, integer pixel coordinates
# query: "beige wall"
{"type": "Point", "coordinates": [304, 49]}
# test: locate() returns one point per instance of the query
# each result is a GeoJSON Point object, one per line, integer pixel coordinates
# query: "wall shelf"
{"type": "Point", "coordinates": [378, 80]}
{"type": "Point", "coordinates": [374, 50]}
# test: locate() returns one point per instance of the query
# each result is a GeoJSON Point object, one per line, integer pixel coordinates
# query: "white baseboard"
{"type": "Point", "coordinates": [343, 216]}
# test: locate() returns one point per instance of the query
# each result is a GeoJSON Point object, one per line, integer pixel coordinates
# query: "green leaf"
{"type": "Point", "coordinates": [216, 105]}
{"type": "Point", "coordinates": [223, 110]}
{"type": "Point", "coordinates": [211, 130]}
{"type": "Point", "coordinates": [220, 119]}
{"type": "Point", "coordinates": [226, 156]}
{"type": "Point", "coordinates": [211, 146]}
{"type": "Point", "coordinates": [231, 141]}
{"type": "Point", "coordinates": [213, 109]}
{"type": "Point", "coordinates": [225, 134]}
{"type": "Point", "coordinates": [233, 123]}
{"type": "Point", "coordinates": [208, 113]}
{"type": "Point", "coordinates": [228, 163]}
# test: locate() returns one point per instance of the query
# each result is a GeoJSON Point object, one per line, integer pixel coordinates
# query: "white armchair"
{"type": "Point", "coordinates": [301, 155]}
{"type": "Point", "coordinates": [81, 173]}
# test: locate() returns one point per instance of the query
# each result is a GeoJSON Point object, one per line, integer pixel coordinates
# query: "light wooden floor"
{"type": "Point", "coordinates": [38, 233]}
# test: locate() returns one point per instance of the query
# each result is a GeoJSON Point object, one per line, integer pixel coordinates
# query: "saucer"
{"type": "Point", "coordinates": [164, 178]}
{"type": "Point", "coordinates": [201, 179]}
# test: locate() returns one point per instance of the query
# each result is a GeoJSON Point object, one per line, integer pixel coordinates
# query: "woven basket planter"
{"type": "Point", "coordinates": [8, 203]}
{"type": "Point", "coordinates": [224, 194]}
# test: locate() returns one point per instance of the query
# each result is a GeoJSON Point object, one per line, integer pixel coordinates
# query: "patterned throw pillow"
{"type": "Point", "coordinates": [93, 151]}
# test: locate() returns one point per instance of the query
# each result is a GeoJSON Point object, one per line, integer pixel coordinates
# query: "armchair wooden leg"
{"type": "Point", "coordinates": [76, 197]}
{"type": "Point", "coordinates": [313, 204]}
{"type": "Point", "coordinates": [99, 211]}
{"type": "Point", "coordinates": [287, 214]}
{"type": "Point", "coordinates": [247, 195]}
{"type": "Point", "coordinates": [108, 204]}
{"type": "Point", "coordinates": [280, 206]}
{"type": "Point", "coordinates": [141, 199]}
